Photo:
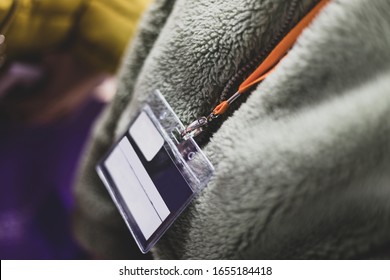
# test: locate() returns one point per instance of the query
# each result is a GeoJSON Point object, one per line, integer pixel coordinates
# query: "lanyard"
{"type": "Point", "coordinates": [261, 72]}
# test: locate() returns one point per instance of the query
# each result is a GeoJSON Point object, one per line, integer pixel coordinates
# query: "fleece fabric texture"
{"type": "Point", "coordinates": [302, 167]}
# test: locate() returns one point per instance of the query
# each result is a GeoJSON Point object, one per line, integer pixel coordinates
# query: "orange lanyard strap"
{"type": "Point", "coordinates": [280, 50]}
{"type": "Point", "coordinates": [262, 71]}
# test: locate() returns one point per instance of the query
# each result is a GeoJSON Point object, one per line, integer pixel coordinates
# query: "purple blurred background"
{"type": "Point", "coordinates": [37, 169]}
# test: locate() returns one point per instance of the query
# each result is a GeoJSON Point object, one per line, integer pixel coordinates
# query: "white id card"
{"type": "Point", "coordinates": [152, 174]}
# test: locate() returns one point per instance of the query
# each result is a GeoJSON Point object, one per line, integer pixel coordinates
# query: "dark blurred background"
{"type": "Point", "coordinates": [57, 60]}
{"type": "Point", "coordinates": [37, 168]}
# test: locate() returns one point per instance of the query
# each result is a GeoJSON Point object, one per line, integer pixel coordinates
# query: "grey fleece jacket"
{"type": "Point", "coordinates": [302, 166]}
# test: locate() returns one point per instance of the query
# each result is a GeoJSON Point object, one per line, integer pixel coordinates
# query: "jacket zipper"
{"type": "Point", "coordinates": [243, 72]}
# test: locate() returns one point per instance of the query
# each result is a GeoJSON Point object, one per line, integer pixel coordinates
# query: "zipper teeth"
{"type": "Point", "coordinates": [244, 71]}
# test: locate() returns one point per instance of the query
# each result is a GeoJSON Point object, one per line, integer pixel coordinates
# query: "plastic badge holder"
{"type": "Point", "coordinates": [152, 174]}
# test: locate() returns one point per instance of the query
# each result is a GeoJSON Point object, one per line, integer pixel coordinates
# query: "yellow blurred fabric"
{"type": "Point", "coordinates": [97, 31]}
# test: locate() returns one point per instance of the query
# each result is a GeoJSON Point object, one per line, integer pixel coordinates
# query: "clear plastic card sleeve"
{"type": "Point", "coordinates": [152, 174]}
